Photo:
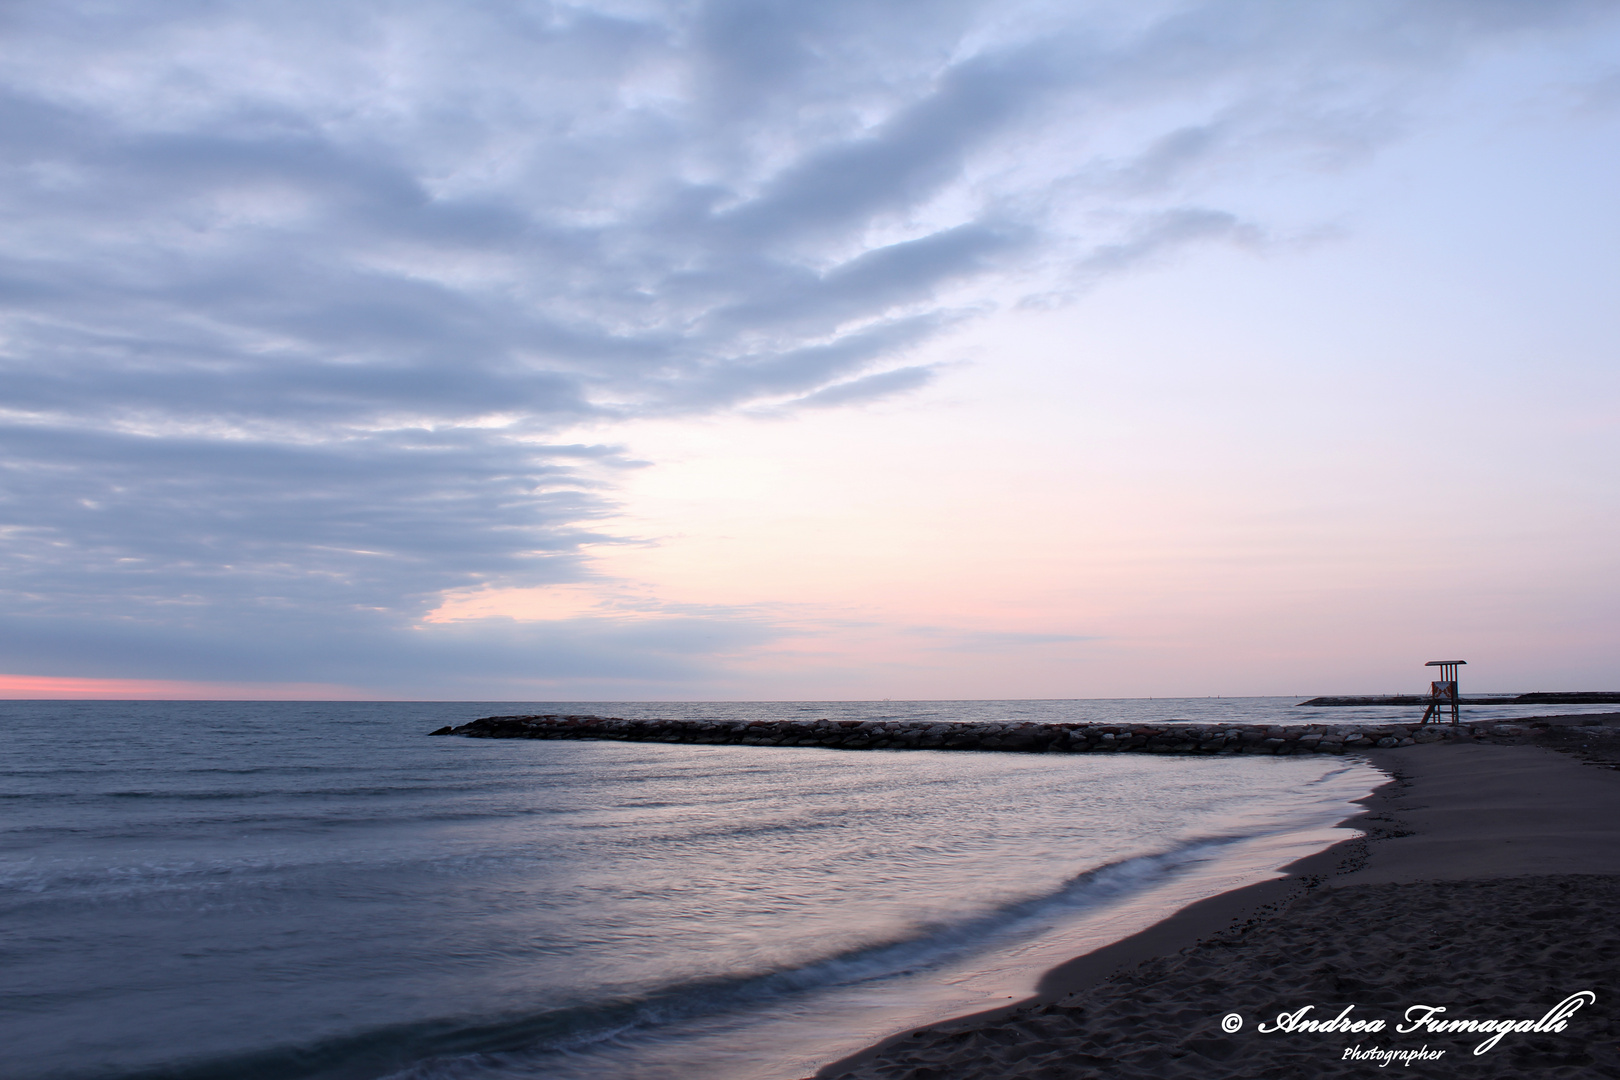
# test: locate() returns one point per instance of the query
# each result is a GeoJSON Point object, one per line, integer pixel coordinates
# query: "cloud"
{"type": "Point", "coordinates": [950, 639]}
{"type": "Point", "coordinates": [869, 388]}
{"type": "Point", "coordinates": [1161, 234]}
{"type": "Point", "coordinates": [298, 302]}
{"type": "Point", "coordinates": [483, 659]}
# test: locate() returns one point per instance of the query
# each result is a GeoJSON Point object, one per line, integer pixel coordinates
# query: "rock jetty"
{"type": "Point", "coordinates": [1577, 697]}
{"type": "Point", "coordinates": [1031, 738]}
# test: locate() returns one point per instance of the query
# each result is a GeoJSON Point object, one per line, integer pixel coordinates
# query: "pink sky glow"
{"type": "Point", "coordinates": [39, 687]}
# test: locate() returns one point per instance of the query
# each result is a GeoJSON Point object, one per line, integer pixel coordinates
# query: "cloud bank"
{"type": "Point", "coordinates": [299, 302]}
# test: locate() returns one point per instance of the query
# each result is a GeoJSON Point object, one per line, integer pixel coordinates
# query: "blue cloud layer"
{"type": "Point", "coordinates": [298, 301]}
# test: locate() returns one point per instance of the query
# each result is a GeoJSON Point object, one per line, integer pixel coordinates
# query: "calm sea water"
{"type": "Point", "coordinates": [278, 890]}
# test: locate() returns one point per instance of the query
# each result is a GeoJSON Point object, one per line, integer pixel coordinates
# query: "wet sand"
{"type": "Point", "coordinates": [1487, 882]}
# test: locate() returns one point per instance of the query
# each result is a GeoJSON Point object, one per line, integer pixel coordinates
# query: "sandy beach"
{"type": "Point", "coordinates": [1485, 889]}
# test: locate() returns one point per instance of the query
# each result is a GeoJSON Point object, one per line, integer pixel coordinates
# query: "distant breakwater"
{"type": "Point", "coordinates": [1580, 697]}
{"type": "Point", "coordinates": [1014, 737]}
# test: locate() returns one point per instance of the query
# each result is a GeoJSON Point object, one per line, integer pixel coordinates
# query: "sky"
{"type": "Point", "coordinates": [771, 350]}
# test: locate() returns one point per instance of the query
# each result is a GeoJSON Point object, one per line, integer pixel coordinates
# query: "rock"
{"type": "Point", "coordinates": [1020, 737]}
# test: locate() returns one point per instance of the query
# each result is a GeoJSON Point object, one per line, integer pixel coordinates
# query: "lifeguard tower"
{"type": "Point", "coordinates": [1443, 691]}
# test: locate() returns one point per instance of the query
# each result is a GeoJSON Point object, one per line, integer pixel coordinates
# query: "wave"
{"type": "Point", "coordinates": [438, 1047]}
{"type": "Point", "coordinates": [32, 884]}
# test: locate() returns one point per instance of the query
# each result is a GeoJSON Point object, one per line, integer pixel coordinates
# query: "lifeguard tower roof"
{"type": "Point", "coordinates": [1444, 663]}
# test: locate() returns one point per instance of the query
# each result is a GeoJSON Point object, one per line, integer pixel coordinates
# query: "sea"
{"type": "Point", "coordinates": [317, 890]}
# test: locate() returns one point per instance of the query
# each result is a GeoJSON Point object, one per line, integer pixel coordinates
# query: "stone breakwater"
{"type": "Point", "coordinates": [1030, 738]}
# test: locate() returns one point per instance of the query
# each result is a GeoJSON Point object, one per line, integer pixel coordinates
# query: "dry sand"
{"type": "Point", "coordinates": [1488, 882]}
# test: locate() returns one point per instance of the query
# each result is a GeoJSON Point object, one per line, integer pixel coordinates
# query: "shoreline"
{"type": "Point", "coordinates": [1483, 830]}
